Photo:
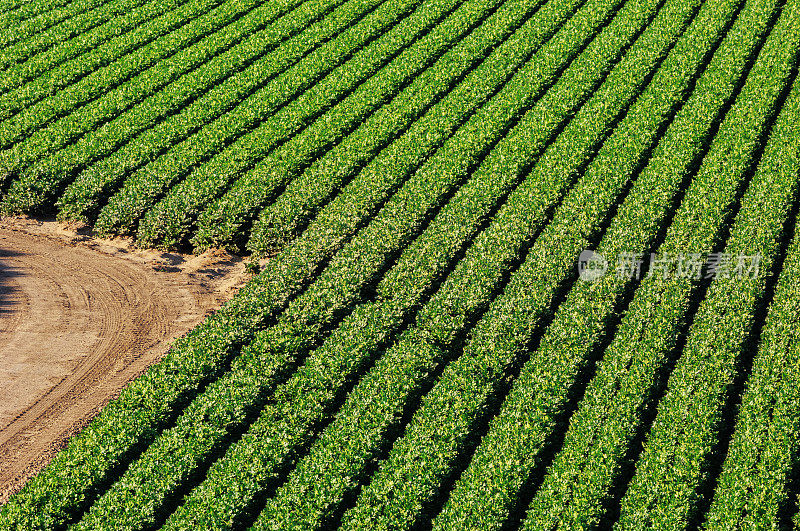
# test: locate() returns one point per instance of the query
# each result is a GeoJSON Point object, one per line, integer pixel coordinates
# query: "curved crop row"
{"type": "Point", "coordinates": [334, 290]}
{"type": "Point", "coordinates": [221, 220]}
{"type": "Point", "coordinates": [48, 50]}
{"type": "Point", "coordinates": [28, 47]}
{"type": "Point", "coordinates": [36, 188]}
{"type": "Point", "coordinates": [17, 11]}
{"type": "Point", "coordinates": [433, 83]}
{"type": "Point", "coordinates": [298, 329]}
{"type": "Point", "coordinates": [506, 458]}
{"type": "Point", "coordinates": [53, 172]}
{"type": "Point", "coordinates": [143, 188]}
{"type": "Point", "coordinates": [437, 432]}
{"type": "Point", "coordinates": [82, 198]}
{"type": "Point", "coordinates": [609, 416]}
{"type": "Point", "coordinates": [186, 38]}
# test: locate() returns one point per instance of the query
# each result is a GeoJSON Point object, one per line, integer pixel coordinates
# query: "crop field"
{"type": "Point", "coordinates": [521, 264]}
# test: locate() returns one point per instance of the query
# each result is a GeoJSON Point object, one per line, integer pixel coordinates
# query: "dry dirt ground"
{"type": "Point", "coordinates": [80, 318]}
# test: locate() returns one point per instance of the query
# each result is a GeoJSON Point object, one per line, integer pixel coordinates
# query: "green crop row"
{"type": "Point", "coordinates": [151, 480]}
{"type": "Point", "coordinates": [292, 506]}
{"type": "Point", "coordinates": [316, 376]}
{"type": "Point", "coordinates": [754, 479]}
{"type": "Point", "coordinates": [299, 329]}
{"type": "Point", "coordinates": [14, 12]}
{"type": "Point", "coordinates": [128, 79]}
{"type": "Point", "coordinates": [60, 492]}
{"type": "Point", "coordinates": [180, 205]}
{"type": "Point", "coordinates": [141, 496]}
{"type": "Point", "coordinates": [375, 47]}
{"type": "Point", "coordinates": [610, 415]}
{"type": "Point", "coordinates": [83, 197]}
{"type": "Point", "coordinates": [37, 187]}
{"type": "Point", "coordinates": [440, 428]}
{"type": "Point", "coordinates": [284, 427]}
{"type": "Point", "coordinates": [796, 518]}
{"type": "Point", "coordinates": [686, 426]}
{"type": "Point", "coordinates": [293, 156]}
{"type": "Point", "coordinates": [753, 486]}
{"type": "Point", "coordinates": [43, 21]}
{"type": "Point", "coordinates": [46, 42]}
{"type": "Point", "coordinates": [53, 48]}
{"type": "Point", "coordinates": [507, 456]}
{"type": "Point", "coordinates": [85, 77]}
{"type": "Point", "coordinates": [219, 223]}
{"type": "Point", "coordinates": [386, 123]}
{"type": "Point", "coordinates": [135, 418]}
{"type": "Point", "coordinates": [58, 167]}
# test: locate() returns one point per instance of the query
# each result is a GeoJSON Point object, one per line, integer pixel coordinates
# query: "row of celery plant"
{"type": "Point", "coordinates": [610, 416]}
{"type": "Point", "coordinates": [47, 50]}
{"type": "Point", "coordinates": [151, 401]}
{"type": "Point", "coordinates": [176, 454]}
{"type": "Point", "coordinates": [283, 338]}
{"type": "Point", "coordinates": [686, 428]}
{"type": "Point", "coordinates": [373, 46]}
{"type": "Point", "coordinates": [186, 37]}
{"type": "Point", "coordinates": [318, 302]}
{"type": "Point", "coordinates": [509, 454]}
{"type": "Point", "coordinates": [753, 487]}
{"type": "Point", "coordinates": [54, 171]}
{"type": "Point", "coordinates": [42, 21]}
{"type": "Point", "coordinates": [84, 196]}
{"type": "Point", "coordinates": [145, 187]}
{"type": "Point", "coordinates": [284, 509]}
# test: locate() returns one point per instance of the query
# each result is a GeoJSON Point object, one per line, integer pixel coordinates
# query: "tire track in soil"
{"type": "Point", "coordinates": [79, 319]}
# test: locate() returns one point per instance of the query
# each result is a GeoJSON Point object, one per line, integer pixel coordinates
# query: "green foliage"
{"type": "Point", "coordinates": [610, 414]}
{"type": "Point", "coordinates": [415, 180]}
{"type": "Point", "coordinates": [687, 425]}
{"type": "Point", "coordinates": [509, 453]}
{"type": "Point", "coordinates": [162, 130]}
{"type": "Point", "coordinates": [37, 186]}
{"type": "Point", "coordinates": [303, 501]}
{"type": "Point", "coordinates": [49, 49]}
{"type": "Point", "coordinates": [34, 22]}
{"type": "Point", "coordinates": [146, 186]}
{"type": "Point", "coordinates": [752, 487]}
{"type": "Point", "coordinates": [307, 193]}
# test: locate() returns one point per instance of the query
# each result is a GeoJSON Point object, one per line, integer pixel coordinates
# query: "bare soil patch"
{"type": "Point", "coordinates": [79, 319]}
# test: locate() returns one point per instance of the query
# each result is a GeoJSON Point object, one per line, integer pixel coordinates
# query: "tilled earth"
{"type": "Point", "coordinates": [80, 318]}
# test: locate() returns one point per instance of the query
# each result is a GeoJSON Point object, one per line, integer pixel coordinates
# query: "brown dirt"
{"type": "Point", "coordinates": [79, 319]}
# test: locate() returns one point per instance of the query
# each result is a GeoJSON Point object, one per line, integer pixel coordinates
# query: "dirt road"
{"type": "Point", "coordinates": [80, 318]}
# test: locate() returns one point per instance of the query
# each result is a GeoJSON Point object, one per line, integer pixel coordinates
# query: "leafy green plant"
{"type": "Point", "coordinates": [142, 189]}
{"type": "Point", "coordinates": [83, 197]}
{"type": "Point", "coordinates": [610, 414]}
